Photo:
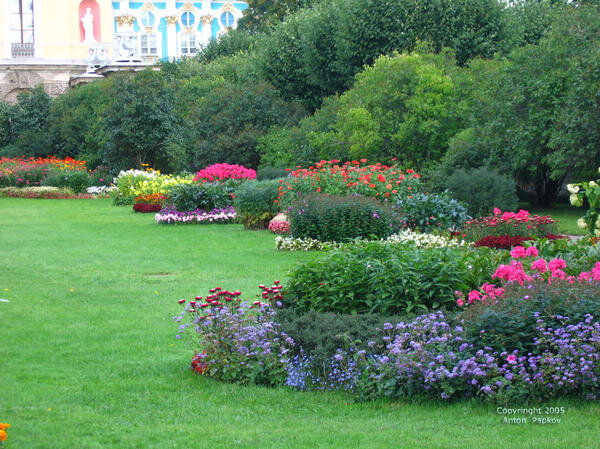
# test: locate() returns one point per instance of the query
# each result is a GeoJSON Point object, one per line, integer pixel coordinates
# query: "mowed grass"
{"type": "Point", "coordinates": [89, 359]}
{"type": "Point", "coordinates": [565, 214]}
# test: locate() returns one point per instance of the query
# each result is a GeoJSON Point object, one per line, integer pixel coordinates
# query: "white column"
{"type": "Point", "coordinates": [171, 36]}
{"type": "Point", "coordinates": [6, 27]}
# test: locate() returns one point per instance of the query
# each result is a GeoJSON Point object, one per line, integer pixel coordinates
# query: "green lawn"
{"type": "Point", "coordinates": [89, 359]}
{"type": "Point", "coordinates": [566, 215]}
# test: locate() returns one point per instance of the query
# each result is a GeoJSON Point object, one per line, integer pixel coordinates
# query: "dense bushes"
{"type": "Point", "coordinates": [255, 203]}
{"type": "Point", "coordinates": [339, 218]}
{"type": "Point", "coordinates": [378, 278]}
{"type": "Point", "coordinates": [205, 196]}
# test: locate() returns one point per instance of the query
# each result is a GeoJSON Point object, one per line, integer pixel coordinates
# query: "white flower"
{"type": "Point", "coordinates": [573, 188]}
{"type": "Point", "coordinates": [593, 184]}
{"type": "Point", "coordinates": [581, 223]}
{"type": "Point", "coordinates": [576, 200]}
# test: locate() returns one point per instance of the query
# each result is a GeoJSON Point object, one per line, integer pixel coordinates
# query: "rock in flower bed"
{"type": "Point", "coordinates": [169, 215]}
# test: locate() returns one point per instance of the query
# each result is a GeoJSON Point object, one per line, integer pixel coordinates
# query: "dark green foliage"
{"type": "Point", "coordinates": [255, 203]}
{"type": "Point", "coordinates": [376, 278]}
{"type": "Point", "coordinates": [264, 14]}
{"type": "Point", "coordinates": [316, 52]}
{"type": "Point", "coordinates": [426, 211]}
{"type": "Point", "coordinates": [319, 335]}
{"type": "Point", "coordinates": [481, 189]}
{"type": "Point", "coordinates": [342, 218]}
{"type": "Point", "coordinates": [223, 121]}
{"type": "Point", "coordinates": [228, 44]}
{"type": "Point", "coordinates": [510, 322]}
{"type": "Point", "coordinates": [76, 180]}
{"type": "Point", "coordinates": [138, 121]}
{"type": "Point", "coordinates": [535, 113]}
{"type": "Point", "coordinates": [205, 196]}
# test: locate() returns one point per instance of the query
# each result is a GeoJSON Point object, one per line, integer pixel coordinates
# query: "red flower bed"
{"type": "Point", "coordinates": [508, 241]}
{"type": "Point", "coordinates": [146, 208]}
{"type": "Point", "coordinates": [375, 180]}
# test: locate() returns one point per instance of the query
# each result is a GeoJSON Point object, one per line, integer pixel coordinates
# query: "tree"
{"type": "Point", "coordinates": [535, 113]}
{"type": "Point", "coordinates": [263, 14]}
{"type": "Point", "coordinates": [138, 121]}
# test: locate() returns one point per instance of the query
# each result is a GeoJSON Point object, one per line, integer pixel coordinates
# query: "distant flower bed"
{"type": "Point", "coordinates": [509, 241]}
{"type": "Point", "coordinates": [220, 172]}
{"type": "Point", "coordinates": [521, 223]}
{"type": "Point", "coordinates": [169, 215]}
{"type": "Point", "coordinates": [146, 208]}
{"type": "Point", "coordinates": [46, 192]}
{"type": "Point", "coordinates": [100, 190]}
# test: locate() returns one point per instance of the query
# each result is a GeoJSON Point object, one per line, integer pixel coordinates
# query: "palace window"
{"type": "Point", "coordinates": [21, 27]}
{"type": "Point", "coordinates": [188, 45]}
{"type": "Point", "coordinates": [147, 19]}
{"type": "Point", "coordinates": [187, 19]}
{"type": "Point", "coordinates": [149, 45]}
{"type": "Point", "coordinates": [227, 19]}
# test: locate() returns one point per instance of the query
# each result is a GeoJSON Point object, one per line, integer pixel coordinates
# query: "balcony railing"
{"type": "Point", "coordinates": [22, 50]}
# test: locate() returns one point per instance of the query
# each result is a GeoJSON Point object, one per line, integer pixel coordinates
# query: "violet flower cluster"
{"type": "Point", "coordinates": [169, 215]}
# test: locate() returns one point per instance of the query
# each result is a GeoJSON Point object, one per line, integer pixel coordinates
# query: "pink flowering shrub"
{"type": "Point", "coordinates": [521, 223]}
{"type": "Point", "coordinates": [220, 172]}
{"type": "Point", "coordinates": [279, 224]}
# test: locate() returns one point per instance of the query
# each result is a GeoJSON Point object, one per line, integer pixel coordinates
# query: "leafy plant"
{"type": "Point", "coordinates": [426, 211]}
{"type": "Point", "coordinates": [341, 218]}
{"type": "Point", "coordinates": [255, 203]}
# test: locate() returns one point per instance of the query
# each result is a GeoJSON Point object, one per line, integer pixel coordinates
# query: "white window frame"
{"type": "Point", "coordinates": [148, 36]}
{"type": "Point", "coordinates": [185, 38]}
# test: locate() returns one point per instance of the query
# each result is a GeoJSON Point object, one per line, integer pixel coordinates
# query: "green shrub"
{"type": "Point", "coordinates": [427, 211]}
{"type": "Point", "coordinates": [375, 278]}
{"type": "Point", "coordinates": [482, 189]}
{"type": "Point", "coordinates": [76, 180]}
{"type": "Point", "coordinates": [255, 203]}
{"type": "Point", "coordinates": [338, 218]}
{"type": "Point", "coordinates": [320, 335]}
{"type": "Point", "coordinates": [206, 196]}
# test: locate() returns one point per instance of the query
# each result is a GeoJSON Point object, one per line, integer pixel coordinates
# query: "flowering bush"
{"type": "Point", "coordinates": [279, 225]}
{"type": "Point", "coordinates": [149, 203]}
{"type": "Point", "coordinates": [132, 183]}
{"type": "Point", "coordinates": [591, 192]}
{"type": "Point", "coordinates": [521, 223]}
{"type": "Point", "coordinates": [3, 435]}
{"type": "Point", "coordinates": [169, 215]}
{"type": "Point", "coordinates": [431, 357]}
{"type": "Point", "coordinates": [236, 340]}
{"type": "Point", "coordinates": [220, 172]}
{"type": "Point", "coordinates": [255, 203]}
{"type": "Point", "coordinates": [378, 181]}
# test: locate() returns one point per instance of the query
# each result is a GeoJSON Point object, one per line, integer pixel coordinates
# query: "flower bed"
{"type": "Point", "coordinates": [46, 192]}
{"type": "Point", "coordinates": [279, 224]}
{"type": "Point", "coordinates": [220, 172]}
{"type": "Point", "coordinates": [509, 224]}
{"type": "Point", "coordinates": [171, 216]}
{"type": "Point", "coordinates": [378, 181]}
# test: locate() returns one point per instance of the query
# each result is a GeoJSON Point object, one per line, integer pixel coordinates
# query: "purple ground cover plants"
{"type": "Point", "coordinates": [169, 215]}
{"type": "Point", "coordinates": [549, 346]}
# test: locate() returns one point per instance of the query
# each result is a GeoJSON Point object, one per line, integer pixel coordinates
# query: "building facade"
{"type": "Point", "coordinates": [59, 43]}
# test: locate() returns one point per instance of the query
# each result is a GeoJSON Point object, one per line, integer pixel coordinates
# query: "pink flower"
{"type": "Point", "coordinates": [512, 359]}
{"type": "Point", "coordinates": [531, 252]}
{"type": "Point", "coordinates": [539, 265]}
{"type": "Point", "coordinates": [556, 264]}
{"type": "Point", "coordinates": [497, 211]}
{"type": "Point", "coordinates": [518, 252]}
{"type": "Point", "coordinates": [460, 302]}
{"type": "Point", "coordinates": [474, 296]}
